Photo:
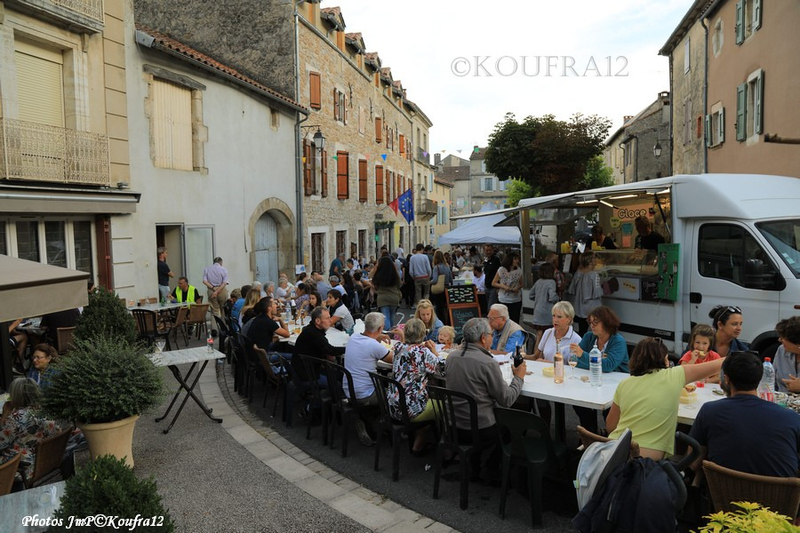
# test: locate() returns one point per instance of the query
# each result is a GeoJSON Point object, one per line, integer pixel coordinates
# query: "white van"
{"type": "Point", "coordinates": [738, 237]}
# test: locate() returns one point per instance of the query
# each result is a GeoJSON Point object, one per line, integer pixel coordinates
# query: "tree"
{"type": "Point", "coordinates": [516, 191]}
{"type": "Point", "coordinates": [548, 154]}
{"type": "Point", "coordinates": [597, 174]}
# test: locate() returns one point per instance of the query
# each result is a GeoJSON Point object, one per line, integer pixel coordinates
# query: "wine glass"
{"type": "Point", "coordinates": [573, 362]}
{"type": "Point", "coordinates": [160, 344]}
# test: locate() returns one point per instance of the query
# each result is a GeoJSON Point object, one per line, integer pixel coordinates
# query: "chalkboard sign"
{"type": "Point", "coordinates": [461, 294]}
{"type": "Point", "coordinates": [460, 315]}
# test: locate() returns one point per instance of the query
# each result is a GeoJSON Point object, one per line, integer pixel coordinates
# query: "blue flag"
{"type": "Point", "coordinates": [407, 205]}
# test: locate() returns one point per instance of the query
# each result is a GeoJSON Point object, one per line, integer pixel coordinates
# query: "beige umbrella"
{"type": "Point", "coordinates": [31, 289]}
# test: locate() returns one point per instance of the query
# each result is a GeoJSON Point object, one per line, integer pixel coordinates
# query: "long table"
{"type": "Point", "coordinates": [192, 356]}
{"type": "Point", "coordinates": [159, 307]}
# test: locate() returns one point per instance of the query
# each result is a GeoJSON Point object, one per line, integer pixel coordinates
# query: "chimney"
{"type": "Point", "coordinates": [626, 118]}
{"type": "Point", "coordinates": [437, 158]}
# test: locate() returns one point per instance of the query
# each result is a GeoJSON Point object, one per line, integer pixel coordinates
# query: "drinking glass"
{"type": "Point", "coordinates": [573, 362]}
{"type": "Point", "coordinates": [160, 344]}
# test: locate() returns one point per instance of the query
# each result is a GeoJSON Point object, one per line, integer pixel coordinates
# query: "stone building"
{"type": "Point", "coordinates": [64, 163]}
{"type": "Point", "coordinates": [614, 155]}
{"type": "Point", "coordinates": [685, 49]}
{"type": "Point", "coordinates": [441, 195]}
{"type": "Point", "coordinates": [484, 188]}
{"type": "Point", "coordinates": [452, 169]}
{"type": "Point", "coordinates": [642, 142]}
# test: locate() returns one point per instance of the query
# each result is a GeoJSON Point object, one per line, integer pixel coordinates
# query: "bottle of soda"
{"type": "Point", "coordinates": [558, 368]}
{"type": "Point", "coordinates": [595, 367]}
{"type": "Point", "coordinates": [210, 343]}
{"type": "Point", "coordinates": [766, 389]}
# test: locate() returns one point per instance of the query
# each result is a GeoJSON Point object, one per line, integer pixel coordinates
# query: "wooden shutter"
{"type": "Point", "coordinates": [172, 125]}
{"type": "Point", "coordinates": [378, 130]}
{"type": "Point", "coordinates": [397, 181]}
{"type": "Point", "coordinates": [324, 174]}
{"type": "Point", "coordinates": [741, 112]}
{"type": "Point", "coordinates": [315, 91]}
{"type": "Point", "coordinates": [758, 104]}
{"type": "Point", "coordinates": [388, 187]}
{"type": "Point", "coordinates": [402, 144]}
{"type": "Point", "coordinates": [40, 86]}
{"type": "Point", "coordinates": [342, 175]}
{"type": "Point", "coordinates": [378, 184]}
{"type": "Point", "coordinates": [362, 180]}
{"type": "Point", "coordinates": [307, 176]}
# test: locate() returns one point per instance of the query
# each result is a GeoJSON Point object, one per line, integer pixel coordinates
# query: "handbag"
{"type": "Point", "coordinates": [438, 287]}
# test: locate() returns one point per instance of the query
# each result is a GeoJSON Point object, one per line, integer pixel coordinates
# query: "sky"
{"type": "Point", "coordinates": [468, 63]}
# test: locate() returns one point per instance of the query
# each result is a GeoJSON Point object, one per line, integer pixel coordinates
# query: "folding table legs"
{"type": "Point", "coordinates": [189, 392]}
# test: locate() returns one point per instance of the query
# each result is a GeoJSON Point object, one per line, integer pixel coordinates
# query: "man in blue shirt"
{"type": "Point", "coordinates": [506, 334]}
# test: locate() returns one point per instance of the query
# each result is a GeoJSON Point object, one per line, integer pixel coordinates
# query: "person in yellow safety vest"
{"type": "Point", "coordinates": [185, 292]}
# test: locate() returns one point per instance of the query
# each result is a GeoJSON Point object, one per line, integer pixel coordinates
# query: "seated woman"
{"type": "Point", "coordinates": [647, 402]}
{"type": "Point", "coordinates": [340, 314]}
{"type": "Point", "coordinates": [427, 314]}
{"type": "Point", "coordinates": [41, 372]}
{"type": "Point", "coordinates": [412, 363]}
{"type": "Point", "coordinates": [23, 425]}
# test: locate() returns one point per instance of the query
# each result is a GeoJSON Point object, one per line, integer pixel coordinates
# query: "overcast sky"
{"type": "Point", "coordinates": [431, 46]}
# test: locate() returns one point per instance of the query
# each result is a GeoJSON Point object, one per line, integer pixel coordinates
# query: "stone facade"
{"type": "Point", "coordinates": [484, 187]}
{"type": "Point", "coordinates": [640, 135]}
{"type": "Point", "coordinates": [614, 155]}
{"type": "Point", "coordinates": [256, 37]}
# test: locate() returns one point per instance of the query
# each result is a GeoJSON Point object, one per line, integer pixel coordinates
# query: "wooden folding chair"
{"type": "Point", "coordinates": [47, 462]}
{"type": "Point", "coordinates": [64, 339]}
{"type": "Point", "coordinates": [7, 471]}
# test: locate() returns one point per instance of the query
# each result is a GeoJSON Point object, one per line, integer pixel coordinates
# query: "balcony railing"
{"type": "Point", "coordinates": [427, 209]}
{"type": "Point", "coordinates": [423, 156]}
{"type": "Point", "coordinates": [83, 15]}
{"type": "Point", "coordinates": [38, 152]}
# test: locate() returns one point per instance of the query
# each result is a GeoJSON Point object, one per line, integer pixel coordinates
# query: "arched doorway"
{"type": "Point", "coordinates": [267, 247]}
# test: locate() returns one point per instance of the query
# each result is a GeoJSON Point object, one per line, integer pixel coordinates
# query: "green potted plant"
{"type": "Point", "coordinates": [103, 384]}
{"type": "Point", "coordinates": [749, 518]}
{"type": "Point", "coordinates": [107, 487]}
{"type": "Point", "coordinates": [105, 316]}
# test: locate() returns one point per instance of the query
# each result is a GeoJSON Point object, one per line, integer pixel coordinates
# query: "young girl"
{"type": "Point", "coordinates": [544, 295]}
{"type": "Point", "coordinates": [701, 342]}
{"type": "Point", "coordinates": [447, 335]}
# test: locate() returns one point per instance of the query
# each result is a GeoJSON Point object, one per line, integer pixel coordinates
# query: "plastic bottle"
{"type": "Point", "coordinates": [595, 367]}
{"type": "Point", "coordinates": [558, 368]}
{"type": "Point", "coordinates": [766, 389]}
{"type": "Point", "coordinates": [210, 343]}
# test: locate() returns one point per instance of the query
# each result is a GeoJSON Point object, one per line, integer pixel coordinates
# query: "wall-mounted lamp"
{"type": "Point", "coordinates": [657, 150]}
{"type": "Point", "coordinates": [319, 139]}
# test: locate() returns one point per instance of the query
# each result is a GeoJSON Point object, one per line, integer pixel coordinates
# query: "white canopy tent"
{"type": "Point", "coordinates": [482, 230]}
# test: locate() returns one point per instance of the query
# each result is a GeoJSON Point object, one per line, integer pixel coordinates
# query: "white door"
{"type": "Point", "coordinates": [199, 252]}
{"type": "Point", "coordinates": [266, 250]}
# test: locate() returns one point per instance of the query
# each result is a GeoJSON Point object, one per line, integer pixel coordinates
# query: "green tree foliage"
{"type": "Point", "coordinates": [550, 155]}
{"type": "Point", "coordinates": [597, 174]}
{"type": "Point", "coordinates": [105, 316]}
{"type": "Point", "coordinates": [516, 191]}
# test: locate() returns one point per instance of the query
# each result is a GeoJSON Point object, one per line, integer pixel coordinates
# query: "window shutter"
{"type": "Point", "coordinates": [315, 94]}
{"type": "Point", "coordinates": [172, 125]}
{"type": "Point", "coordinates": [707, 130]}
{"type": "Point", "coordinates": [40, 87]}
{"type": "Point", "coordinates": [362, 180]}
{"type": "Point", "coordinates": [758, 104]}
{"type": "Point", "coordinates": [343, 175]}
{"type": "Point", "coordinates": [335, 104]}
{"type": "Point", "coordinates": [379, 184]}
{"type": "Point", "coordinates": [402, 144]}
{"type": "Point", "coordinates": [721, 125]}
{"type": "Point", "coordinates": [324, 174]}
{"type": "Point", "coordinates": [739, 27]}
{"type": "Point", "coordinates": [378, 130]}
{"type": "Point", "coordinates": [388, 186]}
{"type": "Point", "coordinates": [741, 112]}
{"type": "Point", "coordinates": [307, 177]}
{"type": "Point", "coordinates": [756, 14]}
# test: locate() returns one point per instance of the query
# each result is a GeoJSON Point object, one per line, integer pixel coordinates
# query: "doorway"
{"type": "Point", "coordinates": [266, 249]}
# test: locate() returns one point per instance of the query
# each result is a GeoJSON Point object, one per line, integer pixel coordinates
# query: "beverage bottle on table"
{"type": "Point", "coordinates": [558, 368]}
{"type": "Point", "coordinates": [595, 367]}
{"type": "Point", "coordinates": [766, 389]}
{"type": "Point", "coordinates": [210, 343]}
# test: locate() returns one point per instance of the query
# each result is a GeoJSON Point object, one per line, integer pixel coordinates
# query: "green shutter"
{"type": "Point", "coordinates": [721, 125]}
{"type": "Point", "coordinates": [756, 14]}
{"type": "Point", "coordinates": [758, 104]}
{"type": "Point", "coordinates": [739, 27]}
{"type": "Point", "coordinates": [741, 112]}
{"type": "Point", "coordinates": [707, 130]}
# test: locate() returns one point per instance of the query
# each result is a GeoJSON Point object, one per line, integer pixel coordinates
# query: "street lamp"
{"type": "Point", "coordinates": [657, 150]}
{"type": "Point", "coordinates": [319, 140]}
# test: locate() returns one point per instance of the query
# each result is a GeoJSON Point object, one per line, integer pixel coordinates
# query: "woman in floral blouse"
{"type": "Point", "coordinates": [412, 364]}
{"type": "Point", "coordinates": [23, 425]}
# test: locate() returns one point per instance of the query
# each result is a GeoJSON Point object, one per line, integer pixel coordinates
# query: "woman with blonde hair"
{"type": "Point", "coordinates": [247, 309]}
{"type": "Point", "coordinates": [426, 312]}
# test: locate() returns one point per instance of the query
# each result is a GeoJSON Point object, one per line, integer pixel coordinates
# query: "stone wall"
{"type": "Point", "coordinates": [687, 102]}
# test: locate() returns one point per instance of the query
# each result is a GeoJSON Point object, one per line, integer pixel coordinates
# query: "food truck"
{"type": "Point", "coordinates": [730, 239]}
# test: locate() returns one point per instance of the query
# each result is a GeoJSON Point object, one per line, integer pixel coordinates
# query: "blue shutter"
{"type": "Point", "coordinates": [722, 125]}
{"type": "Point", "coordinates": [739, 27]}
{"type": "Point", "coordinates": [741, 112]}
{"type": "Point", "coordinates": [756, 14]}
{"type": "Point", "coordinates": [707, 130]}
{"type": "Point", "coordinates": [758, 104]}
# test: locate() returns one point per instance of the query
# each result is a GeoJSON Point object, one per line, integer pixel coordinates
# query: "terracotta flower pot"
{"type": "Point", "coordinates": [111, 438]}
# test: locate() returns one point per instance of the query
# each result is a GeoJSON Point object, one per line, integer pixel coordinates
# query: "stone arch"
{"type": "Point", "coordinates": [284, 219]}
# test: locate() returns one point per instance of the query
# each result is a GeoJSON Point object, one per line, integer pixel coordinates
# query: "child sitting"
{"type": "Point", "coordinates": [701, 343]}
{"type": "Point", "coordinates": [447, 335]}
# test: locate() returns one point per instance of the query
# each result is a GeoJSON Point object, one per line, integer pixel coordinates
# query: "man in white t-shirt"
{"type": "Point", "coordinates": [362, 354]}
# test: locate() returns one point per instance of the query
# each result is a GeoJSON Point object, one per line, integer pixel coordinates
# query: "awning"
{"type": "Point", "coordinates": [30, 289]}
{"type": "Point", "coordinates": [54, 200]}
{"type": "Point", "coordinates": [483, 231]}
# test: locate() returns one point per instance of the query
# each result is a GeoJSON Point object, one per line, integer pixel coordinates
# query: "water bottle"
{"type": "Point", "coordinates": [595, 367]}
{"type": "Point", "coordinates": [766, 389]}
{"type": "Point", "coordinates": [210, 342]}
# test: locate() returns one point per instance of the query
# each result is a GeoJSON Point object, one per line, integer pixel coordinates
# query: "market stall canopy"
{"type": "Point", "coordinates": [482, 230]}
{"type": "Point", "coordinates": [31, 289]}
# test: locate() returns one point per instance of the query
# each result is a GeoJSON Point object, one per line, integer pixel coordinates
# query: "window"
{"type": "Point", "coordinates": [341, 242]}
{"type": "Point", "coordinates": [275, 118]}
{"type": "Point", "coordinates": [339, 106]}
{"type": "Point", "coordinates": [3, 239]}
{"type": "Point", "coordinates": [687, 121]}
{"type": "Point", "coordinates": [687, 55]}
{"type": "Point", "coordinates": [362, 120]}
{"type": "Point", "coordinates": [718, 38]}
{"type": "Point", "coordinates": [28, 240]}
{"type": "Point", "coordinates": [82, 236]}
{"type": "Point", "coordinates": [61, 242]}
{"type": "Point", "coordinates": [55, 243]}
{"type": "Point", "coordinates": [362, 180]}
{"type": "Point", "coordinates": [750, 106]}
{"type": "Point", "coordinates": [314, 90]}
{"type": "Point", "coordinates": [715, 126]}
{"type": "Point", "coordinates": [318, 252]}
{"type": "Point", "coordinates": [40, 84]}
{"type": "Point", "coordinates": [323, 175]}
{"type": "Point", "coordinates": [503, 184]}
{"type": "Point", "coordinates": [784, 236]}
{"type": "Point", "coordinates": [488, 184]}
{"type": "Point", "coordinates": [388, 184]}
{"type": "Point", "coordinates": [342, 175]}
{"type": "Point", "coordinates": [748, 19]}
{"type": "Point", "coordinates": [730, 252]}
{"type": "Point", "coordinates": [378, 130]}
{"type": "Point", "coordinates": [379, 184]}
{"type": "Point", "coordinates": [171, 121]}
{"type": "Point", "coordinates": [362, 243]}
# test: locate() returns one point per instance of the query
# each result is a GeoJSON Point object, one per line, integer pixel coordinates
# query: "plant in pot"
{"type": "Point", "coordinates": [103, 384]}
{"type": "Point", "coordinates": [105, 316]}
{"type": "Point", "coordinates": [107, 487]}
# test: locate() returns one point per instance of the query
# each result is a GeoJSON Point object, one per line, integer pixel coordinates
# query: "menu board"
{"type": "Point", "coordinates": [461, 294]}
{"type": "Point", "coordinates": [460, 315]}
{"type": "Point", "coordinates": [462, 304]}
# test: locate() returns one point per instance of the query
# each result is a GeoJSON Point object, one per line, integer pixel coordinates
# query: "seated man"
{"type": "Point", "coordinates": [263, 329]}
{"type": "Point", "coordinates": [340, 314]}
{"type": "Point", "coordinates": [336, 283]}
{"type": "Point", "coordinates": [185, 292]}
{"type": "Point", "coordinates": [473, 371]}
{"type": "Point", "coordinates": [744, 432]}
{"type": "Point", "coordinates": [507, 334]}
{"type": "Point", "coordinates": [362, 354]}
{"type": "Point", "coordinates": [312, 341]}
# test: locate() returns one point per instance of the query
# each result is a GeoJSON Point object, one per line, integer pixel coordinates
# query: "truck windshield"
{"type": "Point", "coordinates": [784, 236]}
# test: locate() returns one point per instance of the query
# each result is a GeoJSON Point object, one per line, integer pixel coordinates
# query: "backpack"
{"type": "Point", "coordinates": [598, 462]}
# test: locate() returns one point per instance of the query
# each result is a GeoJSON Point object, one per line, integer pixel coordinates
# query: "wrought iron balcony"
{"type": "Point", "coordinates": [77, 15]}
{"type": "Point", "coordinates": [423, 156]}
{"type": "Point", "coordinates": [427, 209]}
{"type": "Point", "coordinates": [38, 152]}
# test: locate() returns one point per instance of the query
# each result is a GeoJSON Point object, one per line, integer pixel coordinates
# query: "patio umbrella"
{"type": "Point", "coordinates": [28, 288]}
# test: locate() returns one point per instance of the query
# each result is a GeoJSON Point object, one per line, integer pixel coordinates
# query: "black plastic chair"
{"type": "Point", "coordinates": [147, 327]}
{"type": "Point", "coordinates": [347, 409]}
{"type": "Point", "coordinates": [443, 404]}
{"type": "Point", "coordinates": [525, 438]}
{"type": "Point", "coordinates": [386, 423]}
{"type": "Point", "coordinates": [271, 377]}
{"type": "Point", "coordinates": [319, 395]}
{"type": "Point", "coordinates": [297, 389]}
{"type": "Point", "coordinates": [251, 366]}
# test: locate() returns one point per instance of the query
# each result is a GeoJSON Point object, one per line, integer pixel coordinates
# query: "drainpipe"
{"type": "Point", "coordinates": [671, 118]}
{"type": "Point", "coordinates": [705, 90]}
{"type": "Point", "coordinates": [297, 145]}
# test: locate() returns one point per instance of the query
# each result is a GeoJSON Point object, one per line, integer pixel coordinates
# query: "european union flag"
{"type": "Point", "coordinates": [407, 205]}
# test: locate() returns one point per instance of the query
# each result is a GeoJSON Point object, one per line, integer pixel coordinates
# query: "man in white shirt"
{"type": "Point", "coordinates": [420, 269]}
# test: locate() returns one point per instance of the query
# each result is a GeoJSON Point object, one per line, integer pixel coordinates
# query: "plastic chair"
{"type": "Point", "coordinates": [319, 395]}
{"type": "Point", "coordinates": [147, 326]}
{"type": "Point", "coordinates": [271, 377]}
{"type": "Point", "coordinates": [343, 405]}
{"type": "Point", "coordinates": [197, 317]}
{"type": "Point", "coordinates": [48, 457]}
{"type": "Point", "coordinates": [386, 423]}
{"type": "Point", "coordinates": [7, 471]}
{"type": "Point", "coordinates": [588, 438]}
{"type": "Point", "coordinates": [251, 366]}
{"type": "Point", "coordinates": [444, 406]}
{"type": "Point", "coordinates": [780, 494]}
{"type": "Point", "coordinates": [64, 339]}
{"type": "Point", "coordinates": [525, 438]}
{"type": "Point", "coordinates": [180, 320]}
{"type": "Point", "coordinates": [295, 386]}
